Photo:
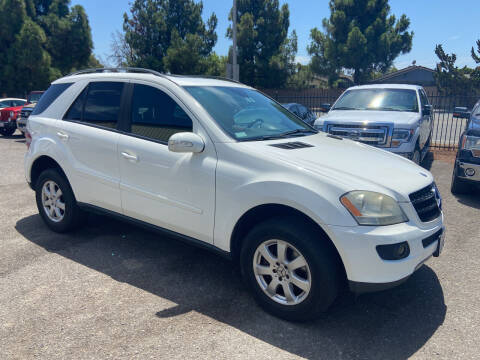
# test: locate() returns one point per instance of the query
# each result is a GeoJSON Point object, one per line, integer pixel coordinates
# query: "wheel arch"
{"type": "Point", "coordinates": [264, 212]}
{"type": "Point", "coordinates": [41, 164]}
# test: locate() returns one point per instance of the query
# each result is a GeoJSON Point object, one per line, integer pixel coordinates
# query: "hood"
{"type": "Point", "coordinates": [30, 106]}
{"type": "Point", "coordinates": [349, 165]}
{"type": "Point", "coordinates": [5, 113]}
{"type": "Point", "coordinates": [13, 108]}
{"type": "Point", "coordinates": [398, 118]}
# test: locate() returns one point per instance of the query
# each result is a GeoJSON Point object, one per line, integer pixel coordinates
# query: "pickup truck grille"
{"type": "Point", "coordinates": [425, 203]}
{"type": "Point", "coordinates": [376, 135]}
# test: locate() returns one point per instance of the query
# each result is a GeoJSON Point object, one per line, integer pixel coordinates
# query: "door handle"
{"type": "Point", "coordinates": [130, 157]}
{"type": "Point", "coordinates": [62, 135]}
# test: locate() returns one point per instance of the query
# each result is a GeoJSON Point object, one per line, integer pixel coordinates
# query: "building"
{"type": "Point", "coordinates": [415, 75]}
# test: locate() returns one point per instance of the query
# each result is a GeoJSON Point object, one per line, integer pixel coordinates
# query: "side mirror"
{"type": "Point", "coordinates": [186, 142]}
{"type": "Point", "coordinates": [325, 107]}
{"type": "Point", "coordinates": [427, 109]}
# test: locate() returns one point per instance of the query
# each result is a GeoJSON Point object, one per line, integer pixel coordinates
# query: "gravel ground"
{"type": "Point", "coordinates": [114, 291]}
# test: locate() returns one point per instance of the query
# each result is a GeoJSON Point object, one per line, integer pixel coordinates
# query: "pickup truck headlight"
{"type": "Point", "coordinates": [470, 142]}
{"type": "Point", "coordinates": [401, 136]}
{"type": "Point", "coordinates": [372, 208]}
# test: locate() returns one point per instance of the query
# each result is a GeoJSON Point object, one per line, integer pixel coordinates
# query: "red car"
{"type": "Point", "coordinates": [8, 116]}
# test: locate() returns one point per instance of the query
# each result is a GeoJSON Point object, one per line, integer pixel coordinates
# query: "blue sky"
{"type": "Point", "coordinates": [453, 24]}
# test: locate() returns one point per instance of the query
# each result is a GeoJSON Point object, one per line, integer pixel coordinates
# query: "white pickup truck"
{"type": "Point", "coordinates": [394, 117]}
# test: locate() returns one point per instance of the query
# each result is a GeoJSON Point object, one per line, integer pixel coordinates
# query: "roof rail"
{"type": "Point", "coordinates": [117, 70]}
{"type": "Point", "coordinates": [145, 71]}
{"type": "Point", "coordinates": [208, 77]}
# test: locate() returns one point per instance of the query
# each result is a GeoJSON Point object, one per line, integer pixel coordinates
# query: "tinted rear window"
{"type": "Point", "coordinates": [53, 92]}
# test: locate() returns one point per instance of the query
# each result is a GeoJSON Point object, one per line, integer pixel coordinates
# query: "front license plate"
{"type": "Point", "coordinates": [441, 244]}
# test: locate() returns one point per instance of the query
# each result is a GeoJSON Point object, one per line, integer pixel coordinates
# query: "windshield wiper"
{"type": "Point", "coordinates": [281, 135]}
{"type": "Point", "coordinates": [345, 108]}
{"type": "Point", "coordinates": [384, 109]}
{"type": "Point", "coordinates": [297, 131]}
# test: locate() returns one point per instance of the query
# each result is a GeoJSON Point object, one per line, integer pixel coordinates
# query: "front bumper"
{"type": "Point", "coordinates": [366, 270]}
{"type": "Point", "coordinates": [22, 124]}
{"type": "Point", "coordinates": [8, 125]}
{"type": "Point", "coordinates": [465, 168]}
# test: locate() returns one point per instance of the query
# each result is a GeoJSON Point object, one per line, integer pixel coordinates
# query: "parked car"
{"type": "Point", "coordinates": [11, 102]}
{"type": "Point", "coordinates": [467, 163]}
{"type": "Point", "coordinates": [220, 165]}
{"type": "Point", "coordinates": [8, 117]}
{"type": "Point", "coordinates": [461, 112]}
{"type": "Point", "coordinates": [33, 98]}
{"type": "Point", "coordinates": [394, 117]}
{"type": "Point", "coordinates": [302, 112]}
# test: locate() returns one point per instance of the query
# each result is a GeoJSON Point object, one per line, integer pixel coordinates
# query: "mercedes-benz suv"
{"type": "Point", "coordinates": [219, 164]}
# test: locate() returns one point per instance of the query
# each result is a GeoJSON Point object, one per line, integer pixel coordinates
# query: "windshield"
{"type": "Point", "coordinates": [378, 99]}
{"type": "Point", "coordinates": [33, 98]}
{"type": "Point", "coordinates": [246, 114]}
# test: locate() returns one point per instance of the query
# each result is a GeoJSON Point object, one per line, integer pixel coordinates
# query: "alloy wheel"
{"type": "Point", "coordinates": [282, 272]}
{"type": "Point", "coordinates": [52, 201]}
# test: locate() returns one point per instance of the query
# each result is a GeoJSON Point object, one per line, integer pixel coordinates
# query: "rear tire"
{"type": "Point", "coordinates": [319, 279]}
{"type": "Point", "coordinates": [56, 202]}
{"type": "Point", "coordinates": [7, 132]}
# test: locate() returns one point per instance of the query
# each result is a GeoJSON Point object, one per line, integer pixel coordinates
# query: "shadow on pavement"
{"type": "Point", "coordinates": [427, 161]}
{"type": "Point", "coordinates": [393, 324]}
{"type": "Point", "coordinates": [471, 199]}
{"type": "Point", "coordinates": [12, 137]}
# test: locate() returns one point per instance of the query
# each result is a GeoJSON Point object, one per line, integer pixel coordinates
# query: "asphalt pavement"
{"type": "Point", "coordinates": [114, 291]}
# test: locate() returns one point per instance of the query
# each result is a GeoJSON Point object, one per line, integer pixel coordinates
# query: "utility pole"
{"type": "Point", "coordinates": [235, 70]}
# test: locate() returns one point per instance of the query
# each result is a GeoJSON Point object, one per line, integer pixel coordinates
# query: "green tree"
{"type": "Point", "coordinates": [21, 73]}
{"type": "Point", "coordinates": [265, 53]}
{"type": "Point", "coordinates": [166, 35]}
{"type": "Point", "coordinates": [450, 78]}
{"type": "Point", "coordinates": [359, 36]}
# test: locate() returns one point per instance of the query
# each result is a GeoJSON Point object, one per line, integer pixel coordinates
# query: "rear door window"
{"type": "Point", "coordinates": [102, 104]}
{"type": "Point", "coordinates": [98, 104]}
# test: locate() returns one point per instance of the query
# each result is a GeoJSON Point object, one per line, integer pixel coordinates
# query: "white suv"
{"type": "Point", "coordinates": [221, 165]}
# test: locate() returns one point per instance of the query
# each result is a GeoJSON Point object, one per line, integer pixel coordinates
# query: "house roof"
{"type": "Point", "coordinates": [403, 71]}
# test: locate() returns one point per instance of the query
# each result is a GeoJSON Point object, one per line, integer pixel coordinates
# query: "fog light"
{"type": "Point", "coordinates": [469, 172]}
{"type": "Point", "coordinates": [394, 252]}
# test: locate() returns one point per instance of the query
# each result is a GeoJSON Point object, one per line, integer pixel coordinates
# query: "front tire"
{"type": "Point", "coordinates": [290, 268]}
{"type": "Point", "coordinates": [417, 156]}
{"type": "Point", "coordinates": [459, 186]}
{"type": "Point", "coordinates": [7, 132]}
{"type": "Point", "coordinates": [56, 202]}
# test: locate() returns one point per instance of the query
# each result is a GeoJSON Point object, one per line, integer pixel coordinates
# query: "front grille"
{"type": "Point", "coordinates": [25, 113]}
{"type": "Point", "coordinates": [376, 135]}
{"type": "Point", "coordinates": [425, 203]}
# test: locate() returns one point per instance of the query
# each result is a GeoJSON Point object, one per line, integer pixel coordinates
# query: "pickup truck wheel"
{"type": "Point", "coordinates": [291, 271]}
{"type": "Point", "coordinates": [7, 132]}
{"type": "Point", "coordinates": [56, 203]}
{"type": "Point", "coordinates": [458, 186]}
{"type": "Point", "coordinates": [416, 157]}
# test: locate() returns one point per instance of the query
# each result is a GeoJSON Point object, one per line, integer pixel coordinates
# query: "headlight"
{"type": "Point", "coordinates": [400, 136]}
{"type": "Point", "coordinates": [372, 208]}
{"type": "Point", "coordinates": [470, 142]}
